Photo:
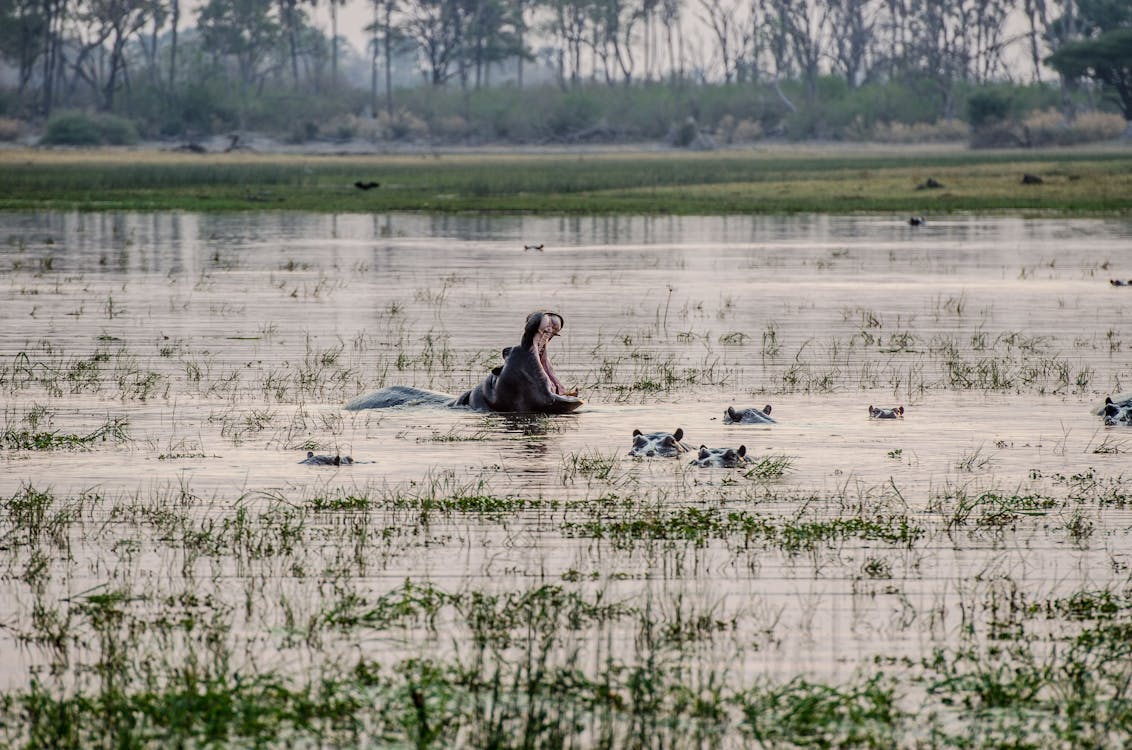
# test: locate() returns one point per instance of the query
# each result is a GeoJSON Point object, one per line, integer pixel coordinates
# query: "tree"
{"type": "Point", "coordinates": [1105, 54]}
{"type": "Point", "coordinates": [854, 22]}
{"type": "Point", "coordinates": [118, 21]}
{"type": "Point", "coordinates": [241, 29]}
{"type": "Point", "coordinates": [1106, 58]}
{"type": "Point", "coordinates": [436, 28]}
{"type": "Point", "coordinates": [24, 30]}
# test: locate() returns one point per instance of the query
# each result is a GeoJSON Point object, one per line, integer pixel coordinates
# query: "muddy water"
{"type": "Point", "coordinates": [227, 345]}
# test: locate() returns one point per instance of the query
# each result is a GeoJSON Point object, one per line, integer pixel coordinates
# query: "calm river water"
{"type": "Point", "coordinates": [225, 345]}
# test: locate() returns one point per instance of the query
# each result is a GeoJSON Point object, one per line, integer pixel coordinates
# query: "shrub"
{"type": "Point", "coordinates": [10, 129]}
{"type": "Point", "coordinates": [72, 129]}
{"type": "Point", "coordinates": [746, 131]}
{"type": "Point", "coordinates": [987, 107]}
{"type": "Point", "coordinates": [403, 125]}
{"type": "Point", "coordinates": [1049, 128]}
{"type": "Point", "coordinates": [921, 132]}
{"type": "Point", "coordinates": [81, 129]}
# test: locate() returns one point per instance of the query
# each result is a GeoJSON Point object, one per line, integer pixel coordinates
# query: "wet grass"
{"type": "Point", "coordinates": [785, 181]}
{"type": "Point", "coordinates": [28, 434]}
{"type": "Point", "coordinates": [576, 661]}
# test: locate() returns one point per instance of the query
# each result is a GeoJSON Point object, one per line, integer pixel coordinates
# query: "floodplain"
{"type": "Point", "coordinates": [171, 575]}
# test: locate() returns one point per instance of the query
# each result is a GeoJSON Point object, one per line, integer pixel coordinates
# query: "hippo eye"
{"type": "Point", "coordinates": [669, 440]}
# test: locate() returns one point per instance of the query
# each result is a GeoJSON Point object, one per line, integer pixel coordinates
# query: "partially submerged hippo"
{"type": "Point", "coordinates": [525, 382]}
{"type": "Point", "coordinates": [317, 460]}
{"type": "Point", "coordinates": [876, 412]}
{"type": "Point", "coordinates": [1117, 412]}
{"type": "Point", "coordinates": [721, 458]}
{"type": "Point", "coordinates": [752, 415]}
{"type": "Point", "coordinates": [658, 444]}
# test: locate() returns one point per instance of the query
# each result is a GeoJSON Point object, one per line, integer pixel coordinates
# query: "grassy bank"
{"type": "Point", "coordinates": [779, 181]}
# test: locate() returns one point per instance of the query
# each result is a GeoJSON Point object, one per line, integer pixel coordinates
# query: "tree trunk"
{"type": "Point", "coordinates": [334, 43]}
{"type": "Point", "coordinates": [388, 59]}
{"type": "Point", "coordinates": [176, 4]}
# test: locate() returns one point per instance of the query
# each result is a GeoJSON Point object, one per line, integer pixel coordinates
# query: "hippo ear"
{"type": "Point", "coordinates": [704, 452]}
{"type": "Point", "coordinates": [900, 410]}
{"type": "Point", "coordinates": [730, 412]}
{"type": "Point", "coordinates": [507, 351]}
{"type": "Point", "coordinates": [679, 434]}
{"type": "Point", "coordinates": [637, 432]}
{"type": "Point", "coordinates": [310, 454]}
{"type": "Point", "coordinates": [871, 409]}
{"type": "Point", "coordinates": [742, 451]}
{"type": "Point", "coordinates": [766, 409]}
{"type": "Point", "coordinates": [1107, 400]}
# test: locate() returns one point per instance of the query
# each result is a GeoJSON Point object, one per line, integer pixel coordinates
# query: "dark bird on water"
{"type": "Point", "coordinates": [366, 185]}
{"type": "Point", "coordinates": [539, 247]}
{"type": "Point", "coordinates": [917, 221]}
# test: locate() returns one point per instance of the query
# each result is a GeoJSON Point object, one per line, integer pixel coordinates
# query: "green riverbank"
{"type": "Point", "coordinates": [787, 179]}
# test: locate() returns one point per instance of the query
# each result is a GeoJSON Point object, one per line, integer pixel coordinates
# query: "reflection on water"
{"type": "Point", "coordinates": [229, 342]}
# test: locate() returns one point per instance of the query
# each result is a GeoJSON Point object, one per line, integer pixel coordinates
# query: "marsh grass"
{"type": "Point", "coordinates": [27, 436]}
{"type": "Point", "coordinates": [770, 468]}
{"type": "Point", "coordinates": [516, 661]}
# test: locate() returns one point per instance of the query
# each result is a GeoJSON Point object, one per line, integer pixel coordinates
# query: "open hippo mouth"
{"type": "Point", "coordinates": [550, 325]}
{"type": "Point", "coordinates": [525, 382]}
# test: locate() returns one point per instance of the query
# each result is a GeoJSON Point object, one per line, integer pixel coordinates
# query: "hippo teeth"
{"type": "Point", "coordinates": [552, 382]}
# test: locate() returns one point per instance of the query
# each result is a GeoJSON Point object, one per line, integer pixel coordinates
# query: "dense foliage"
{"type": "Point", "coordinates": [566, 70]}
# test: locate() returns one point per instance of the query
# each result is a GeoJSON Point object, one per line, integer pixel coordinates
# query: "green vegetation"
{"type": "Point", "coordinates": [826, 181]}
{"type": "Point", "coordinates": [80, 129]}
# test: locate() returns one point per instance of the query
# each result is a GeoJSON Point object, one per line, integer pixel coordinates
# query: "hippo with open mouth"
{"type": "Point", "coordinates": [876, 412]}
{"type": "Point", "coordinates": [525, 382]}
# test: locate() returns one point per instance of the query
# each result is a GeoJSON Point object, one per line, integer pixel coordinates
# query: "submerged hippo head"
{"type": "Point", "coordinates": [316, 460]}
{"type": "Point", "coordinates": [658, 444]}
{"type": "Point", "coordinates": [748, 416]}
{"type": "Point", "coordinates": [721, 458]}
{"type": "Point", "coordinates": [876, 412]}
{"type": "Point", "coordinates": [1116, 412]}
{"type": "Point", "coordinates": [526, 381]}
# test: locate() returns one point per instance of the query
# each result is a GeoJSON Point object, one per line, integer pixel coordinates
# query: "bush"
{"type": "Point", "coordinates": [988, 107]}
{"type": "Point", "coordinates": [82, 129]}
{"type": "Point", "coordinates": [1049, 128]}
{"type": "Point", "coordinates": [10, 129]}
{"type": "Point", "coordinates": [922, 132]}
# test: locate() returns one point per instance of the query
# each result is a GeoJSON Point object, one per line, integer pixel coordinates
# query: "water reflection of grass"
{"type": "Point", "coordinates": [712, 183]}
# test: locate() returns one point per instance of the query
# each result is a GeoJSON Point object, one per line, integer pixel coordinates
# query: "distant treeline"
{"type": "Point", "coordinates": [692, 71]}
